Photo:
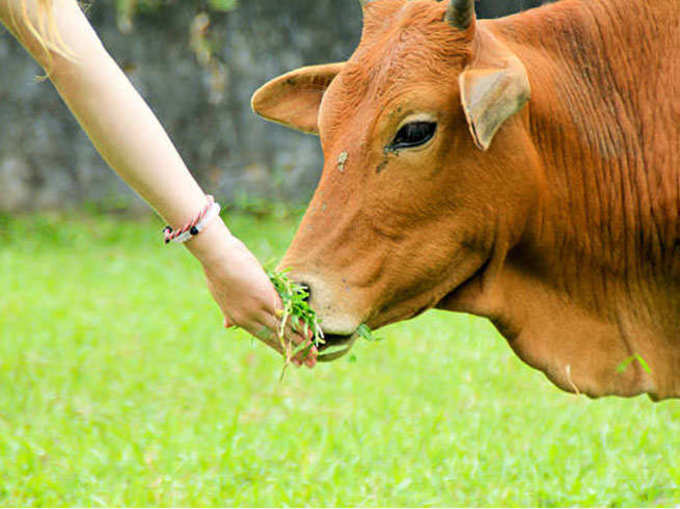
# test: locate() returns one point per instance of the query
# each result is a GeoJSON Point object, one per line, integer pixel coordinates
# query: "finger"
{"type": "Point", "coordinates": [295, 332]}
{"type": "Point", "coordinates": [311, 361]}
{"type": "Point", "coordinates": [296, 347]}
{"type": "Point", "coordinates": [274, 306]}
{"type": "Point", "coordinates": [307, 353]}
{"type": "Point", "coordinates": [297, 328]}
{"type": "Point", "coordinates": [308, 337]}
{"type": "Point", "coordinates": [292, 340]}
{"type": "Point", "coordinates": [269, 336]}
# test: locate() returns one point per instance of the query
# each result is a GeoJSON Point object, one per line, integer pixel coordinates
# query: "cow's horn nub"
{"type": "Point", "coordinates": [461, 13]}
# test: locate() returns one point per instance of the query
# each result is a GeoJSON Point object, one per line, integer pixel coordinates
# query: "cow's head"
{"type": "Point", "coordinates": [429, 176]}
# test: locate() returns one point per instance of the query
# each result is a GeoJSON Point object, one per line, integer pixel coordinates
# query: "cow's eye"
{"type": "Point", "coordinates": [413, 134]}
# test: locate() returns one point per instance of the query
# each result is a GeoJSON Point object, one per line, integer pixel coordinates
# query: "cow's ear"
{"type": "Point", "coordinates": [492, 92]}
{"type": "Point", "coordinates": [293, 99]}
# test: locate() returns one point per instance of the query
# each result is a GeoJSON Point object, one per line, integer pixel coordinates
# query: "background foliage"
{"type": "Point", "coordinates": [197, 63]}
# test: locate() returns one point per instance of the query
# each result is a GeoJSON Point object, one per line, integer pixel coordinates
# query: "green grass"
{"type": "Point", "coordinates": [118, 386]}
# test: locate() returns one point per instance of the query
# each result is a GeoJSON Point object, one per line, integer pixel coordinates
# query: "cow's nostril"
{"type": "Point", "coordinates": [308, 291]}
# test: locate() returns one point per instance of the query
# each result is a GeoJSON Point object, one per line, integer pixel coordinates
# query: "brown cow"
{"type": "Point", "coordinates": [548, 202]}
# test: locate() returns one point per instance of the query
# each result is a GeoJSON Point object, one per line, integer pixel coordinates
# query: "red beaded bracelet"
{"type": "Point", "coordinates": [194, 227]}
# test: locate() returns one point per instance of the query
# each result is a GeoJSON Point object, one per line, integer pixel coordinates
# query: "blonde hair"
{"type": "Point", "coordinates": [41, 25]}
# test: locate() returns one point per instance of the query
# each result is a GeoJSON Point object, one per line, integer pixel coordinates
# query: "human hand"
{"type": "Point", "coordinates": [243, 291]}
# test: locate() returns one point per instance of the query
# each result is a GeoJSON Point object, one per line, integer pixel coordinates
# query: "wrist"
{"type": "Point", "coordinates": [211, 243]}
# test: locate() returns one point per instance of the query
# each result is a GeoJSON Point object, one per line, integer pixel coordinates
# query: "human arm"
{"type": "Point", "coordinates": [131, 140]}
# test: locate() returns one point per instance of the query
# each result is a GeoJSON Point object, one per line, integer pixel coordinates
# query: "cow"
{"type": "Point", "coordinates": [524, 169]}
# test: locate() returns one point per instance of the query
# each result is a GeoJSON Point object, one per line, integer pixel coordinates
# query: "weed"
{"type": "Point", "coordinates": [297, 313]}
{"type": "Point", "coordinates": [301, 317]}
{"type": "Point", "coordinates": [624, 365]}
{"type": "Point", "coordinates": [365, 332]}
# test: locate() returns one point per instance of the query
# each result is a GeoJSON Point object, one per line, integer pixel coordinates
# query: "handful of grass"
{"type": "Point", "coordinates": [301, 317]}
{"type": "Point", "coordinates": [296, 312]}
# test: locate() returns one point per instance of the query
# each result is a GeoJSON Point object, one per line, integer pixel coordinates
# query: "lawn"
{"type": "Point", "coordinates": [118, 386]}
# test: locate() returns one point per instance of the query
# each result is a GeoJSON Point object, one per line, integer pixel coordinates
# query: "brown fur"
{"type": "Point", "coordinates": [565, 233]}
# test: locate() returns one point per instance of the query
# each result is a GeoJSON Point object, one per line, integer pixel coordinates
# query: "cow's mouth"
{"type": "Point", "coordinates": [335, 346]}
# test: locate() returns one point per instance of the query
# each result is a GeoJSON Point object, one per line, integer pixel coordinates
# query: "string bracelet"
{"type": "Point", "coordinates": [195, 226]}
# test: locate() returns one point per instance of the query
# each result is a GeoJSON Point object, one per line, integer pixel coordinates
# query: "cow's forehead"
{"type": "Point", "coordinates": [388, 14]}
{"type": "Point", "coordinates": [399, 35]}
{"type": "Point", "coordinates": [405, 44]}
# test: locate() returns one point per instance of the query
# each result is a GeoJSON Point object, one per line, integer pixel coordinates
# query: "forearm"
{"type": "Point", "coordinates": [130, 138]}
{"type": "Point", "coordinates": [132, 141]}
{"type": "Point", "coordinates": [118, 121]}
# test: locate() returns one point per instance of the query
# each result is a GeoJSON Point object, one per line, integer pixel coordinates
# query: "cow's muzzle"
{"type": "Point", "coordinates": [329, 297]}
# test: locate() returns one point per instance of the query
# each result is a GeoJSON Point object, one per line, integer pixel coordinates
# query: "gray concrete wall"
{"type": "Point", "coordinates": [47, 162]}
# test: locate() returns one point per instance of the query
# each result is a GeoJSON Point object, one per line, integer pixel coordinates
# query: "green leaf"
{"type": "Point", "coordinates": [365, 332]}
{"type": "Point", "coordinates": [223, 5]}
{"type": "Point", "coordinates": [624, 365]}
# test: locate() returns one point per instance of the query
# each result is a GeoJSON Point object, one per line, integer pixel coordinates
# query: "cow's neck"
{"type": "Point", "coordinates": [602, 117]}
{"type": "Point", "coordinates": [605, 120]}
{"type": "Point", "coordinates": [597, 279]}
